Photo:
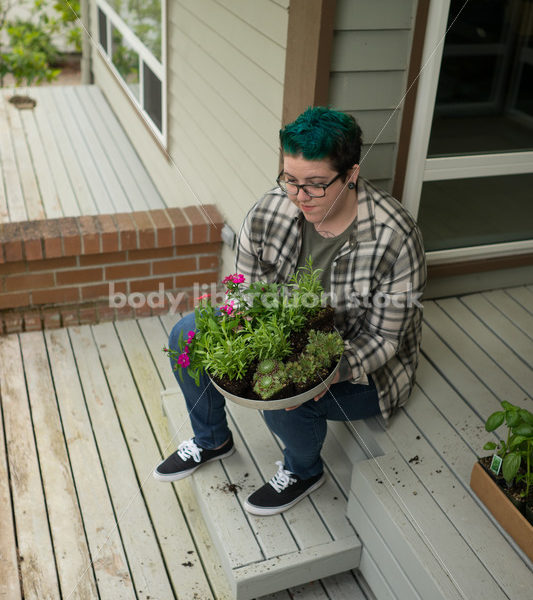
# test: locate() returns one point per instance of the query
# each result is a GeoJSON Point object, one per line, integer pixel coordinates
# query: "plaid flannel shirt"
{"type": "Point", "coordinates": [377, 279]}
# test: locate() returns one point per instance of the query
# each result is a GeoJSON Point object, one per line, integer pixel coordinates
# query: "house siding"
{"type": "Point", "coordinates": [225, 73]}
{"type": "Point", "coordinates": [370, 59]}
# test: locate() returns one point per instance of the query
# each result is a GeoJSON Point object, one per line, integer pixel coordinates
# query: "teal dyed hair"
{"type": "Point", "coordinates": [323, 133]}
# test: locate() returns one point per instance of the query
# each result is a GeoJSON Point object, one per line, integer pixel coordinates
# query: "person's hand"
{"type": "Point", "coordinates": [335, 379]}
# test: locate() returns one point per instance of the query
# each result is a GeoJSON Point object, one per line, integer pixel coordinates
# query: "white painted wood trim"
{"type": "Point", "coordinates": [480, 165]}
{"type": "Point", "coordinates": [425, 103]}
{"type": "Point", "coordinates": [439, 257]}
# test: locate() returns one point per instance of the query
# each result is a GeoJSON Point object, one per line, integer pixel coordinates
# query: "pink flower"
{"type": "Point", "coordinates": [184, 360]}
{"type": "Point", "coordinates": [228, 308]}
{"type": "Point", "coordinates": [236, 278]}
{"type": "Point", "coordinates": [203, 296]}
{"type": "Point", "coordinates": [190, 336]}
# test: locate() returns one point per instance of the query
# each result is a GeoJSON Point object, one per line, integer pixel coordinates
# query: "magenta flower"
{"type": "Point", "coordinates": [228, 308]}
{"type": "Point", "coordinates": [236, 278]}
{"type": "Point", "coordinates": [184, 360]}
{"type": "Point", "coordinates": [190, 337]}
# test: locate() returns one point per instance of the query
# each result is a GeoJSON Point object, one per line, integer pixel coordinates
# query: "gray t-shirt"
{"type": "Point", "coordinates": [322, 250]}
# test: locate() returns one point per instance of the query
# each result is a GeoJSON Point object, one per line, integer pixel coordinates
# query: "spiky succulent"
{"type": "Point", "coordinates": [269, 378]}
{"type": "Point", "coordinates": [302, 370]}
{"type": "Point", "coordinates": [324, 347]}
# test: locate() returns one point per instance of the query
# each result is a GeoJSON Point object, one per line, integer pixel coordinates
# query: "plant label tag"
{"type": "Point", "coordinates": [496, 464]}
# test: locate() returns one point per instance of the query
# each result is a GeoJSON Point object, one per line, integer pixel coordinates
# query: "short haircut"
{"type": "Point", "coordinates": [323, 133]}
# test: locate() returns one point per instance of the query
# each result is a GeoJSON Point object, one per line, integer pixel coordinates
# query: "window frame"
{"type": "Point", "coordinates": [158, 68]}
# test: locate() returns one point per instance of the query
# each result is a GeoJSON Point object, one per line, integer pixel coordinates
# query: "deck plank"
{"type": "Point", "coordinates": [43, 172]}
{"type": "Point", "coordinates": [69, 158]}
{"type": "Point", "coordinates": [114, 200]}
{"type": "Point", "coordinates": [504, 328]}
{"type": "Point", "coordinates": [9, 575]}
{"type": "Point", "coordinates": [113, 153]}
{"type": "Point", "coordinates": [80, 146]}
{"type": "Point", "coordinates": [107, 553]}
{"type": "Point", "coordinates": [28, 182]}
{"type": "Point", "coordinates": [481, 364]}
{"type": "Point", "coordinates": [149, 196]}
{"type": "Point", "coordinates": [59, 171]}
{"type": "Point", "coordinates": [70, 547]}
{"type": "Point", "coordinates": [133, 518]}
{"type": "Point", "coordinates": [490, 344]}
{"type": "Point", "coordinates": [156, 337]}
{"type": "Point", "coordinates": [37, 563]}
{"type": "Point", "coordinates": [512, 309]}
{"type": "Point", "coordinates": [177, 545]}
{"type": "Point", "coordinates": [14, 196]}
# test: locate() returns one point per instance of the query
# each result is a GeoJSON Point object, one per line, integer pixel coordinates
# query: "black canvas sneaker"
{"type": "Point", "coordinates": [284, 490]}
{"type": "Point", "coordinates": [188, 458]}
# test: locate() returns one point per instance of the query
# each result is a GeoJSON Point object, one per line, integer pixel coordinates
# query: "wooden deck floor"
{"type": "Point", "coordinates": [67, 157]}
{"type": "Point", "coordinates": [83, 427]}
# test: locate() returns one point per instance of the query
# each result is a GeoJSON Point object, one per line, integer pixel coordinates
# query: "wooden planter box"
{"type": "Point", "coordinates": [503, 510]}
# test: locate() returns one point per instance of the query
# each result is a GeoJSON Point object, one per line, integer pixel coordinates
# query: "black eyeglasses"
{"type": "Point", "coordinates": [313, 190]}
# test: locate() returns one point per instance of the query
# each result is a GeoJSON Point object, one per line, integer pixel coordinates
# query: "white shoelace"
{"type": "Point", "coordinates": [282, 479]}
{"type": "Point", "coordinates": [187, 449]}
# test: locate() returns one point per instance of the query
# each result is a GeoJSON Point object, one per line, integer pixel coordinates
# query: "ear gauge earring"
{"type": "Point", "coordinates": [351, 185]}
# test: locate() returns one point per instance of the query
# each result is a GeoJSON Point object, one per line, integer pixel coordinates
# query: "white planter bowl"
{"type": "Point", "coordinates": [282, 403]}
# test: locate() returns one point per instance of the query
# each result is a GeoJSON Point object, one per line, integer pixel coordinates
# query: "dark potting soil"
{"type": "Point", "coordinates": [22, 101]}
{"type": "Point", "coordinates": [515, 492]}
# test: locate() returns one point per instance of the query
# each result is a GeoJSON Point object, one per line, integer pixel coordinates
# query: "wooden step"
{"type": "Point", "coordinates": [263, 555]}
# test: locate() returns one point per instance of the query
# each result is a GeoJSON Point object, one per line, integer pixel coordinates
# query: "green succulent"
{"type": "Point", "coordinates": [269, 378]}
{"type": "Point", "coordinates": [324, 347]}
{"type": "Point", "coordinates": [302, 370]}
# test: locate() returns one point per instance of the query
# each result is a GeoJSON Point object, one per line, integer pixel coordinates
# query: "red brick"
{"type": "Point", "coordinates": [52, 238]}
{"type": "Point", "coordinates": [88, 315]}
{"type": "Point", "coordinates": [102, 259]}
{"type": "Point", "coordinates": [2, 261]}
{"type": "Point", "coordinates": [150, 253]}
{"type": "Point", "coordinates": [163, 228]}
{"type": "Point", "coordinates": [55, 296]}
{"type": "Point", "coordinates": [68, 226]}
{"type": "Point", "coordinates": [32, 321]}
{"type": "Point", "coordinates": [101, 290]}
{"type": "Point", "coordinates": [174, 265]}
{"type": "Point", "coordinates": [106, 313]}
{"type": "Point", "coordinates": [14, 300]}
{"type": "Point", "coordinates": [51, 319]}
{"type": "Point", "coordinates": [90, 234]}
{"type": "Point", "coordinates": [194, 250]}
{"type": "Point", "coordinates": [69, 317]}
{"type": "Point", "coordinates": [215, 222]}
{"type": "Point", "coordinates": [180, 224]}
{"type": "Point", "coordinates": [13, 322]}
{"type": "Point", "coordinates": [53, 263]}
{"type": "Point", "coordinates": [127, 231]}
{"type": "Point", "coordinates": [11, 240]}
{"type": "Point", "coordinates": [207, 262]}
{"type": "Point", "coordinates": [199, 224]}
{"type": "Point", "coordinates": [110, 241]}
{"type": "Point", "coordinates": [145, 227]}
{"type": "Point", "coordinates": [188, 281]}
{"type": "Point", "coordinates": [79, 276]}
{"type": "Point", "coordinates": [29, 281]}
{"type": "Point", "coordinates": [31, 234]}
{"type": "Point", "coordinates": [128, 271]}
{"type": "Point", "coordinates": [150, 285]}
{"type": "Point", "coordinates": [14, 267]}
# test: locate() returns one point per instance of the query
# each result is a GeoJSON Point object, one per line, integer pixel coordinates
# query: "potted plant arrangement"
{"type": "Point", "coordinates": [504, 481]}
{"type": "Point", "coordinates": [270, 346]}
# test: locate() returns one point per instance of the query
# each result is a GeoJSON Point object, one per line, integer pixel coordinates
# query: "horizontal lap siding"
{"type": "Point", "coordinates": [225, 89]}
{"type": "Point", "coordinates": [371, 49]}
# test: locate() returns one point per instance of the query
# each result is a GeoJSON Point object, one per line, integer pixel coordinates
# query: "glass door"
{"type": "Point", "coordinates": [476, 185]}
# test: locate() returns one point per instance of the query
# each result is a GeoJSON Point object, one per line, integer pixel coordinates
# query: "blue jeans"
{"type": "Point", "coordinates": [302, 430]}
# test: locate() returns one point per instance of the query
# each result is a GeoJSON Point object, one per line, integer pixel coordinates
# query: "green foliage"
{"type": "Point", "coordinates": [68, 12]}
{"type": "Point", "coordinates": [269, 378]}
{"type": "Point", "coordinates": [30, 52]}
{"type": "Point", "coordinates": [517, 449]}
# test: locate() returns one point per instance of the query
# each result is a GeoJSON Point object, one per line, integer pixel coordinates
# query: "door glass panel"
{"type": "Point", "coordinates": [126, 61]}
{"type": "Point", "coordinates": [457, 213]}
{"type": "Point", "coordinates": [485, 93]}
